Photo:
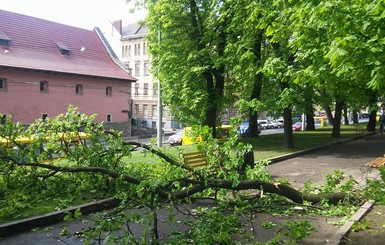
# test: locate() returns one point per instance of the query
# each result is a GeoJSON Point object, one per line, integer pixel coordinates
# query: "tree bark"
{"type": "Point", "coordinates": [371, 127]}
{"type": "Point", "coordinates": [336, 131]}
{"type": "Point", "coordinates": [288, 129]}
{"type": "Point", "coordinates": [257, 85]}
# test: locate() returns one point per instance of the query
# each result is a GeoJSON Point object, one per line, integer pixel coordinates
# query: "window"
{"type": "Point", "coordinates": [4, 39]}
{"type": "Point", "coordinates": [43, 87]}
{"type": "Point", "coordinates": [3, 84]}
{"type": "Point", "coordinates": [136, 109]}
{"type": "Point", "coordinates": [108, 118]}
{"type": "Point", "coordinates": [145, 110]}
{"type": "Point", "coordinates": [138, 49]}
{"type": "Point", "coordinates": [146, 68]}
{"type": "Point", "coordinates": [79, 89]}
{"type": "Point", "coordinates": [137, 68]}
{"type": "Point", "coordinates": [64, 50]}
{"type": "Point", "coordinates": [5, 43]}
{"type": "Point", "coordinates": [44, 117]}
{"type": "Point", "coordinates": [129, 50]}
{"type": "Point", "coordinates": [144, 48]}
{"type": "Point", "coordinates": [154, 89]}
{"type": "Point", "coordinates": [109, 91]}
{"type": "Point", "coordinates": [136, 88]}
{"type": "Point", "coordinates": [135, 49]}
{"type": "Point", "coordinates": [154, 111]}
{"type": "Point", "coordinates": [145, 92]}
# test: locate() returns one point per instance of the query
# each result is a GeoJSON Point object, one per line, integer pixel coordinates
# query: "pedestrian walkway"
{"type": "Point", "coordinates": [350, 157]}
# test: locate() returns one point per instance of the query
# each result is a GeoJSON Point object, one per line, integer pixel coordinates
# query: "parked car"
{"type": "Point", "coordinates": [279, 123]}
{"type": "Point", "coordinates": [271, 124]}
{"type": "Point", "coordinates": [297, 126]}
{"type": "Point", "coordinates": [176, 139]}
{"type": "Point", "coordinates": [243, 129]}
{"type": "Point", "coordinates": [263, 124]}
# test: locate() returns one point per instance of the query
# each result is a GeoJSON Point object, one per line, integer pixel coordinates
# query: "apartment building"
{"type": "Point", "coordinates": [144, 92]}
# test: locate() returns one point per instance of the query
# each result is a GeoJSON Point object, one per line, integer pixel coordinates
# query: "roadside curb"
{"type": "Point", "coordinates": [345, 229]}
{"type": "Point", "coordinates": [53, 217]}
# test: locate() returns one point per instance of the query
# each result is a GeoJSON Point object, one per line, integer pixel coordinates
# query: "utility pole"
{"type": "Point", "coordinates": [159, 133]}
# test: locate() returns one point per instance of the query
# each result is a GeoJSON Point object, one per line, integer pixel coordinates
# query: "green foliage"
{"type": "Point", "coordinates": [296, 230]}
{"type": "Point", "coordinates": [212, 226]}
{"type": "Point", "coordinates": [360, 225]}
{"type": "Point", "coordinates": [268, 224]}
{"type": "Point", "coordinates": [23, 184]}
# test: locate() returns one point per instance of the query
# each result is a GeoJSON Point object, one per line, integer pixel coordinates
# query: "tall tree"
{"type": "Point", "coordinates": [190, 57]}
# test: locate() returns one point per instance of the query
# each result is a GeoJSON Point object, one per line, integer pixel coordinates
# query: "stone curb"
{"type": "Point", "coordinates": [53, 217]}
{"type": "Point", "coordinates": [345, 229]}
{"type": "Point", "coordinates": [14, 227]}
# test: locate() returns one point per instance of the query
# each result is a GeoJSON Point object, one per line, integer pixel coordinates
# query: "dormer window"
{"type": "Point", "coordinates": [64, 50]}
{"type": "Point", "coordinates": [4, 39]}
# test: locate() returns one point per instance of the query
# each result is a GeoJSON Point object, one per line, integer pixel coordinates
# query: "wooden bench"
{"type": "Point", "coordinates": [378, 162]}
{"type": "Point", "coordinates": [195, 159]}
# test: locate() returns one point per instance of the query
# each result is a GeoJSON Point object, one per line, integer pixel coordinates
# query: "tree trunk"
{"type": "Point", "coordinates": [329, 115]}
{"type": "Point", "coordinates": [309, 109]}
{"type": "Point", "coordinates": [346, 117]}
{"type": "Point", "coordinates": [336, 132]}
{"type": "Point", "coordinates": [355, 116]}
{"type": "Point", "coordinates": [310, 124]}
{"type": "Point", "coordinates": [211, 107]}
{"type": "Point", "coordinates": [257, 86]}
{"type": "Point", "coordinates": [287, 129]}
{"type": "Point", "coordinates": [371, 127]}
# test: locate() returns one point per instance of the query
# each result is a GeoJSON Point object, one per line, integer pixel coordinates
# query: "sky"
{"type": "Point", "coordinates": [85, 14]}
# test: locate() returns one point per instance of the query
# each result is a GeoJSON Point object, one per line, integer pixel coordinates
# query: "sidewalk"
{"type": "Point", "coordinates": [350, 157]}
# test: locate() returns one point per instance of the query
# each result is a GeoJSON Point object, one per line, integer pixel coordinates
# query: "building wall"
{"type": "Point", "coordinates": [144, 92]}
{"type": "Point", "coordinates": [23, 99]}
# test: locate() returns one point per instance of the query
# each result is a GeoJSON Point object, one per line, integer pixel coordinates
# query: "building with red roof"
{"type": "Point", "coordinates": [46, 66]}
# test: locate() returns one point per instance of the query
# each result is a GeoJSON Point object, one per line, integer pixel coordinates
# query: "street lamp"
{"type": "Point", "coordinates": [159, 133]}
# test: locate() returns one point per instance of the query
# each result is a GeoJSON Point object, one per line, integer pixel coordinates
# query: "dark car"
{"type": "Point", "coordinates": [243, 129]}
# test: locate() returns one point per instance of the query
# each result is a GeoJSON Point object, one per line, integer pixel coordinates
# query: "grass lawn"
{"type": "Point", "coordinates": [266, 146]}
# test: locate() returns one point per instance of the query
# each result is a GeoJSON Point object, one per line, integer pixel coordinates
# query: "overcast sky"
{"type": "Point", "coordinates": [80, 13]}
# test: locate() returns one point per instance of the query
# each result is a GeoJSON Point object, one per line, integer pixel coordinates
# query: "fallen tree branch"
{"type": "Point", "coordinates": [199, 186]}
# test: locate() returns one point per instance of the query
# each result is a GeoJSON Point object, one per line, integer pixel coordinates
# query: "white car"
{"type": "Point", "coordinates": [271, 124]}
{"type": "Point", "coordinates": [176, 139]}
{"type": "Point", "coordinates": [263, 124]}
{"type": "Point", "coordinates": [279, 124]}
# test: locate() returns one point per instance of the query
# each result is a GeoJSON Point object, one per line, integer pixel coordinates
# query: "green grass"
{"type": "Point", "coordinates": [50, 204]}
{"type": "Point", "coordinates": [268, 146]}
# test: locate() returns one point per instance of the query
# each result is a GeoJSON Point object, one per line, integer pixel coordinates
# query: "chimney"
{"type": "Point", "coordinates": [118, 25]}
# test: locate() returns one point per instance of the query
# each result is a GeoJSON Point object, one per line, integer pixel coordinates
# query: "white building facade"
{"type": "Point", "coordinates": [144, 93]}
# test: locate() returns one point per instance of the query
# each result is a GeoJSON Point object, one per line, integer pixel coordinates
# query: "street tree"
{"type": "Point", "coordinates": [189, 57]}
{"type": "Point", "coordinates": [343, 38]}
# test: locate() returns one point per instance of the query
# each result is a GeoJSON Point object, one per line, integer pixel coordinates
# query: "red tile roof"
{"type": "Point", "coordinates": [35, 43]}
